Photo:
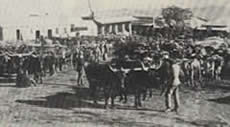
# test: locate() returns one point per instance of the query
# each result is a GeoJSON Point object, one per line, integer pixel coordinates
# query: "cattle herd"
{"type": "Point", "coordinates": [120, 66]}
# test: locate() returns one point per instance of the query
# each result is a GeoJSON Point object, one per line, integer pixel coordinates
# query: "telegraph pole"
{"type": "Point", "coordinates": [90, 9]}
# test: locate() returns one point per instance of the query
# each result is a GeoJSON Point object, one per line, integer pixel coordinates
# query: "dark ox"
{"type": "Point", "coordinates": [48, 64]}
{"type": "Point", "coordinates": [104, 77]}
{"type": "Point", "coordinates": [139, 81]}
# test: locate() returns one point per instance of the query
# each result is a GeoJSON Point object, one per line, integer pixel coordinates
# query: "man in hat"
{"type": "Point", "coordinates": [165, 64]}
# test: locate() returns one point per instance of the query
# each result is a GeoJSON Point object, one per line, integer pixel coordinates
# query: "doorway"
{"type": "Point", "coordinates": [37, 34]}
{"type": "Point", "coordinates": [49, 33]}
{"type": "Point", "coordinates": [18, 34]}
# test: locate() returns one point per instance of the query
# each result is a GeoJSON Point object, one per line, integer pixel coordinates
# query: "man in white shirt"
{"type": "Point", "coordinates": [173, 87]}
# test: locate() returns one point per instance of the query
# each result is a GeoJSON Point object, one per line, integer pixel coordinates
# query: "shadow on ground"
{"type": "Point", "coordinates": [202, 123]}
{"type": "Point", "coordinates": [80, 99]}
{"type": "Point", "coordinates": [218, 86]}
{"type": "Point", "coordinates": [64, 100]}
{"type": "Point", "coordinates": [222, 100]}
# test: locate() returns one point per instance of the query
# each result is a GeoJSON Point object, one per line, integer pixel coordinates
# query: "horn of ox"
{"type": "Point", "coordinates": [152, 67]}
{"type": "Point", "coordinates": [116, 70]}
{"type": "Point", "coordinates": [113, 69]}
{"type": "Point", "coordinates": [125, 70]}
{"type": "Point", "coordinates": [143, 67]}
{"type": "Point", "coordinates": [158, 67]}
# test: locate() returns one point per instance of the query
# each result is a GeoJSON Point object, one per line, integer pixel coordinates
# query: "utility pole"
{"type": "Point", "coordinates": [91, 10]}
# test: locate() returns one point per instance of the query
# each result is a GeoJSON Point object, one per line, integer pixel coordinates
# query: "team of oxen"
{"type": "Point", "coordinates": [140, 77]}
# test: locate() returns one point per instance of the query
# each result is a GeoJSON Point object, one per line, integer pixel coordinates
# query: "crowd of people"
{"type": "Point", "coordinates": [184, 61]}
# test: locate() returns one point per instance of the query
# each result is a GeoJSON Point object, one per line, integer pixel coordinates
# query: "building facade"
{"type": "Point", "coordinates": [105, 26]}
{"type": "Point", "coordinates": [31, 28]}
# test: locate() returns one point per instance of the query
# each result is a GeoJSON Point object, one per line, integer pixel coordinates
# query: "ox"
{"type": "Point", "coordinates": [138, 81]}
{"type": "Point", "coordinates": [103, 77]}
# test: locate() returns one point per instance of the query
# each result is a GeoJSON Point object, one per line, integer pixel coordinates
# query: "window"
{"type": "Point", "coordinates": [57, 31]}
{"type": "Point", "coordinates": [99, 29]}
{"type": "Point", "coordinates": [72, 27]}
{"type": "Point", "coordinates": [65, 30]}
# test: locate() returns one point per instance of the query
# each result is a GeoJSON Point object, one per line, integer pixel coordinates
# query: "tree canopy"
{"type": "Point", "coordinates": [174, 18]}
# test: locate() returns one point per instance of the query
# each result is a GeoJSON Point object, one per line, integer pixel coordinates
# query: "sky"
{"type": "Point", "coordinates": [77, 8]}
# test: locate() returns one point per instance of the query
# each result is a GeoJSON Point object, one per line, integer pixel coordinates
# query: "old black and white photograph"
{"type": "Point", "coordinates": [114, 63]}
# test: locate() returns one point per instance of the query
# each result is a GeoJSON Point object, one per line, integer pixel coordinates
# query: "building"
{"type": "Point", "coordinates": [143, 25]}
{"type": "Point", "coordinates": [32, 27]}
{"type": "Point", "coordinates": [112, 25]}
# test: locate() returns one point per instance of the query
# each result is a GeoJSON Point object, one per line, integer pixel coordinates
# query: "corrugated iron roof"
{"type": "Point", "coordinates": [196, 22]}
{"type": "Point", "coordinates": [113, 20]}
{"type": "Point", "coordinates": [221, 22]}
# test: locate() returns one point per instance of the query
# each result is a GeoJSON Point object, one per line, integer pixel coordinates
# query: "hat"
{"type": "Point", "coordinates": [165, 53]}
{"type": "Point", "coordinates": [166, 56]}
{"type": "Point", "coordinates": [193, 55]}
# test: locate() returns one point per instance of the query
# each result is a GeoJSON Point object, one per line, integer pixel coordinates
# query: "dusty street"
{"type": "Point", "coordinates": [57, 103]}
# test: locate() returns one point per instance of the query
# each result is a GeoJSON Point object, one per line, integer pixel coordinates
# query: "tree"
{"type": "Point", "coordinates": [174, 18]}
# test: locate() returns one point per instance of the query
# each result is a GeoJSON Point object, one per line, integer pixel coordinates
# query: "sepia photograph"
{"type": "Point", "coordinates": [115, 63]}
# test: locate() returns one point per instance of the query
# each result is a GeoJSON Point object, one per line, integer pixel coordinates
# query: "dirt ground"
{"type": "Point", "coordinates": [57, 103]}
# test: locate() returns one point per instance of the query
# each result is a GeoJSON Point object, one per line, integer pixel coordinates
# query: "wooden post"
{"type": "Point", "coordinates": [103, 30]}
{"type": "Point", "coordinates": [116, 28]}
{"type": "Point", "coordinates": [130, 28]}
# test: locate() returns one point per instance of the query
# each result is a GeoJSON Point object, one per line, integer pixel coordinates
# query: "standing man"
{"type": "Point", "coordinates": [173, 86]}
{"type": "Point", "coordinates": [97, 53]}
{"type": "Point", "coordinates": [80, 68]}
{"type": "Point", "coordinates": [74, 57]}
{"type": "Point", "coordinates": [51, 62]}
{"type": "Point", "coordinates": [106, 51]}
{"type": "Point", "coordinates": [102, 49]}
{"type": "Point", "coordinates": [63, 59]}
